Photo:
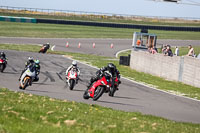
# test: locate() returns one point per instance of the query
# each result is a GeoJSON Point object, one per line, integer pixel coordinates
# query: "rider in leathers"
{"type": "Point", "coordinates": [37, 69]}
{"type": "Point", "coordinates": [3, 55]}
{"type": "Point", "coordinates": [30, 61]}
{"type": "Point", "coordinates": [73, 66]}
{"type": "Point", "coordinates": [111, 68]}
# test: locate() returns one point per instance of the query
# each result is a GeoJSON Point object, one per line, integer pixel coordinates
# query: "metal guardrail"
{"type": "Point", "coordinates": [25, 10]}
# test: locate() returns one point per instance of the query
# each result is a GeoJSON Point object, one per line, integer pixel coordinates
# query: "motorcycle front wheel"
{"type": "Point", "coordinates": [71, 84]}
{"type": "Point", "coordinates": [2, 67]}
{"type": "Point", "coordinates": [25, 84]}
{"type": "Point", "coordinates": [98, 92]}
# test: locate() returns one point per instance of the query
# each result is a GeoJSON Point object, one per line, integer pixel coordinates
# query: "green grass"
{"type": "Point", "coordinates": [110, 19]}
{"type": "Point", "coordinates": [14, 29]}
{"type": "Point", "coordinates": [27, 113]}
{"type": "Point", "coordinates": [100, 61]}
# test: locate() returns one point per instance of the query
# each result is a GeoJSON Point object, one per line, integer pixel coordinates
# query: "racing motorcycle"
{"type": "Point", "coordinates": [71, 78]}
{"type": "Point", "coordinates": [44, 48]}
{"type": "Point", "coordinates": [27, 77]}
{"type": "Point", "coordinates": [3, 63]}
{"type": "Point", "coordinates": [107, 84]}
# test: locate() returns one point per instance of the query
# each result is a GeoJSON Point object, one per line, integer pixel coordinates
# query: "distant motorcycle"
{"type": "Point", "coordinates": [27, 77]}
{"type": "Point", "coordinates": [3, 63]}
{"type": "Point", "coordinates": [106, 84]}
{"type": "Point", "coordinates": [71, 78]}
{"type": "Point", "coordinates": [44, 48]}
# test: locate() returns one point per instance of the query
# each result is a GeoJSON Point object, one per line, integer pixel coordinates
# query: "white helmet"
{"type": "Point", "coordinates": [30, 58]}
{"type": "Point", "coordinates": [74, 63]}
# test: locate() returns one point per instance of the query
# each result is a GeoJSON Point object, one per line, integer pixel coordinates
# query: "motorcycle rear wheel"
{"type": "Point", "coordinates": [98, 93]}
{"type": "Point", "coordinates": [112, 92]}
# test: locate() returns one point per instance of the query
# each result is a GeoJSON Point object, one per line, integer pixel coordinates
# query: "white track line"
{"type": "Point", "coordinates": [52, 48]}
{"type": "Point", "coordinates": [116, 55]}
{"type": "Point", "coordinates": [139, 83]}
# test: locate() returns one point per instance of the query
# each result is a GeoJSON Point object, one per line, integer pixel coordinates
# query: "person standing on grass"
{"type": "Point", "coordinates": [191, 51]}
{"type": "Point", "coordinates": [176, 51]}
{"type": "Point", "coordinates": [168, 51]}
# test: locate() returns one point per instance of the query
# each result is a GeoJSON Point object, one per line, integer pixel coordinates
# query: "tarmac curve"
{"type": "Point", "coordinates": [130, 97]}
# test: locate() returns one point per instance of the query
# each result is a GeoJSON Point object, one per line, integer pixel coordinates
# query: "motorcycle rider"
{"type": "Point", "coordinates": [37, 69]}
{"type": "Point", "coordinates": [73, 66]}
{"type": "Point", "coordinates": [29, 62]}
{"type": "Point", "coordinates": [3, 55]}
{"type": "Point", "coordinates": [111, 68]}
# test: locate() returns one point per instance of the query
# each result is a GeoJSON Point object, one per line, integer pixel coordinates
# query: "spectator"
{"type": "Point", "coordinates": [168, 51]}
{"type": "Point", "coordinates": [138, 42]}
{"type": "Point", "coordinates": [152, 50]}
{"type": "Point", "coordinates": [176, 51]}
{"type": "Point", "coordinates": [164, 49]}
{"type": "Point", "coordinates": [191, 51]}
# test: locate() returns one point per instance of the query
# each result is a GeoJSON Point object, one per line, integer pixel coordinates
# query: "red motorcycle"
{"type": "Point", "coordinates": [106, 84]}
{"type": "Point", "coordinates": [44, 48]}
{"type": "Point", "coordinates": [3, 63]}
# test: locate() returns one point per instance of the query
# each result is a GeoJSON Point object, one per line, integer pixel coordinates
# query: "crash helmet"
{"type": "Point", "coordinates": [37, 63]}
{"type": "Point", "coordinates": [30, 59]}
{"type": "Point", "coordinates": [111, 67]}
{"type": "Point", "coordinates": [2, 53]}
{"type": "Point", "coordinates": [74, 63]}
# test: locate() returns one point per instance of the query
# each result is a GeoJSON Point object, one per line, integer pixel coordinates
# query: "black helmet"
{"type": "Point", "coordinates": [111, 67]}
{"type": "Point", "coordinates": [2, 53]}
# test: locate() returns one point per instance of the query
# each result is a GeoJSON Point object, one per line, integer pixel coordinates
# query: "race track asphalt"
{"type": "Point", "coordinates": [102, 46]}
{"type": "Point", "coordinates": [130, 97]}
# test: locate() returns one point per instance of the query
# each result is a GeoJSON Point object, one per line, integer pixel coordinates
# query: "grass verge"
{"type": "Point", "coordinates": [15, 29]}
{"type": "Point", "coordinates": [27, 113]}
{"type": "Point", "coordinates": [100, 61]}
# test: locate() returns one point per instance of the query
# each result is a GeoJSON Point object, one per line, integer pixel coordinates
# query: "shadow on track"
{"type": "Point", "coordinates": [43, 91]}
{"type": "Point", "coordinates": [124, 97]}
{"type": "Point", "coordinates": [101, 101]}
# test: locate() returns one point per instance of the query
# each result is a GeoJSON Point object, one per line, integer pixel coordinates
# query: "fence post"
{"type": "Point", "coordinates": [180, 74]}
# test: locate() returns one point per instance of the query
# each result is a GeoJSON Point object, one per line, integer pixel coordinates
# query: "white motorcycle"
{"type": "Point", "coordinates": [27, 77]}
{"type": "Point", "coordinates": [71, 78]}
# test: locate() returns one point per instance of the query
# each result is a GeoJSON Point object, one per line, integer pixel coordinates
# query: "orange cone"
{"type": "Point", "coordinates": [67, 44]}
{"type": "Point", "coordinates": [93, 45]}
{"type": "Point", "coordinates": [79, 45]}
{"type": "Point", "coordinates": [111, 45]}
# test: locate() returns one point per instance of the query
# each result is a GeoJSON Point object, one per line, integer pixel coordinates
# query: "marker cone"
{"type": "Point", "coordinates": [93, 45]}
{"type": "Point", "coordinates": [111, 45]}
{"type": "Point", "coordinates": [67, 44]}
{"type": "Point", "coordinates": [79, 45]}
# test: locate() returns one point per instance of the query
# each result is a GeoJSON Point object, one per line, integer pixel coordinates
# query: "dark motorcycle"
{"type": "Point", "coordinates": [3, 63]}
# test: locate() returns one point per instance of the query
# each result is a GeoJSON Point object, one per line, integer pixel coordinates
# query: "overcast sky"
{"type": "Point", "coordinates": [132, 7]}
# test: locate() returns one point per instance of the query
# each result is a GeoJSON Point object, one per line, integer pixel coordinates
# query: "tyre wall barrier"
{"type": "Point", "coordinates": [18, 19]}
{"type": "Point", "coordinates": [115, 25]}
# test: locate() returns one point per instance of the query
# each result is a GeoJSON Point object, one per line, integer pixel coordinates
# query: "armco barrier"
{"type": "Point", "coordinates": [18, 19]}
{"type": "Point", "coordinates": [183, 69]}
{"type": "Point", "coordinates": [115, 25]}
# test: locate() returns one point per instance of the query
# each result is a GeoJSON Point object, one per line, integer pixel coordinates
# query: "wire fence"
{"type": "Point", "coordinates": [90, 15]}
